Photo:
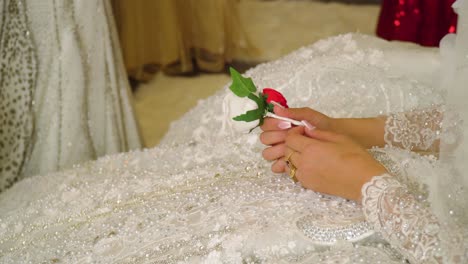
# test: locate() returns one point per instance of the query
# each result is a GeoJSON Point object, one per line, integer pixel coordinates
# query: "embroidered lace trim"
{"type": "Point", "coordinates": [406, 223]}
{"type": "Point", "coordinates": [414, 130]}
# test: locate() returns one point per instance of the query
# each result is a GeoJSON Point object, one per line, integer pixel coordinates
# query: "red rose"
{"type": "Point", "coordinates": [273, 95]}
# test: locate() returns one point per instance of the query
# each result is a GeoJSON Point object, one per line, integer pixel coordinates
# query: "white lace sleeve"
{"type": "Point", "coordinates": [408, 224]}
{"type": "Point", "coordinates": [414, 130]}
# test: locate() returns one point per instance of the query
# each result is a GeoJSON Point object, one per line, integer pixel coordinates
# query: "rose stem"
{"type": "Point", "coordinates": [292, 121]}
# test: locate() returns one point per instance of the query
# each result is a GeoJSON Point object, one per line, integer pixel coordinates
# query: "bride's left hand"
{"type": "Point", "coordinates": [326, 162]}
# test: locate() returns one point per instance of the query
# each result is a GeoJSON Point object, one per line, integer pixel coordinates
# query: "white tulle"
{"type": "Point", "coordinates": [451, 193]}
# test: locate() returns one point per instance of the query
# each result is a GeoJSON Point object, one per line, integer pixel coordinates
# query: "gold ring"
{"type": "Point", "coordinates": [292, 167]}
{"type": "Point", "coordinates": [292, 173]}
{"type": "Point", "coordinates": [288, 160]}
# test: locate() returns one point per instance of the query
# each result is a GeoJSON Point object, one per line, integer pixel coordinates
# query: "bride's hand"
{"type": "Point", "coordinates": [367, 132]}
{"type": "Point", "coordinates": [327, 162]}
{"type": "Point", "coordinates": [315, 118]}
{"type": "Point", "coordinates": [275, 130]}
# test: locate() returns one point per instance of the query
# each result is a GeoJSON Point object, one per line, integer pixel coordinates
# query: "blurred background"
{"type": "Point", "coordinates": [177, 51]}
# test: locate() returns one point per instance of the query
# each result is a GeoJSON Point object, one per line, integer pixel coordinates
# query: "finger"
{"type": "Point", "coordinates": [277, 107]}
{"type": "Point", "coordinates": [296, 130]}
{"type": "Point", "coordinates": [274, 152]}
{"type": "Point", "coordinates": [279, 166]}
{"type": "Point", "coordinates": [304, 113]}
{"type": "Point", "coordinates": [273, 124]}
{"type": "Point", "coordinates": [298, 142]}
{"type": "Point", "coordinates": [323, 135]}
{"type": "Point", "coordinates": [287, 170]}
{"type": "Point", "coordinates": [273, 137]}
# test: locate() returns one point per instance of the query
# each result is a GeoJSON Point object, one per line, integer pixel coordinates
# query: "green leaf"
{"type": "Point", "coordinates": [241, 86]}
{"type": "Point", "coordinates": [258, 100]}
{"type": "Point", "coordinates": [250, 116]}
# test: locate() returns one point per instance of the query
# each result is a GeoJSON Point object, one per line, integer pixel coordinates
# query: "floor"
{"type": "Point", "coordinates": [277, 27]}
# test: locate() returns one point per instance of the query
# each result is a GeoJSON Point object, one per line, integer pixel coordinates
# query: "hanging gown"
{"type": "Point", "coordinates": [63, 90]}
{"type": "Point", "coordinates": [420, 21]}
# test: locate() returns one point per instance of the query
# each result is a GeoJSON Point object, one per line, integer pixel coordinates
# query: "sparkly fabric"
{"type": "Point", "coordinates": [420, 21]}
{"type": "Point", "coordinates": [205, 195]}
{"type": "Point", "coordinates": [64, 92]}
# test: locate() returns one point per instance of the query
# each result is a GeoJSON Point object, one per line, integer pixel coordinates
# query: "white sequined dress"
{"type": "Point", "coordinates": [64, 95]}
{"type": "Point", "coordinates": [205, 195]}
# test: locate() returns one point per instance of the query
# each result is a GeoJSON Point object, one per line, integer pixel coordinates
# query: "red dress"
{"type": "Point", "coordinates": [422, 21]}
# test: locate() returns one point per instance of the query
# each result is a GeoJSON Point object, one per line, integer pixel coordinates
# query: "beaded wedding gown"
{"type": "Point", "coordinates": [205, 195]}
{"type": "Point", "coordinates": [64, 96]}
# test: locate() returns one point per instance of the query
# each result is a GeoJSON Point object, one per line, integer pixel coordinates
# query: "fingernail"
{"type": "Point", "coordinates": [308, 125]}
{"type": "Point", "coordinates": [277, 104]}
{"type": "Point", "coordinates": [284, 125]}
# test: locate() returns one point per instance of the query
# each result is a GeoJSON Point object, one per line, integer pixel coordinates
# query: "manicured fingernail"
{"type": "Point", "coordinates": [308, 125]}
{"type": "Point", "coordinates": [284, 125]}
{"type": "Point", "coordinates": [277, 104]}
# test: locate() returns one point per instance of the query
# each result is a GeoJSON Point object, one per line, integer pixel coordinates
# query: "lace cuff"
{"type": "Point", "coordinates": [406, 223]}
{"type": "Point", "coordinates": [414, 130]}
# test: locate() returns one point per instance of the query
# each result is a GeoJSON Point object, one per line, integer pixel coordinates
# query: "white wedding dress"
{"type": "Point", "coordinates": [204, 195]}
{"type": "Point", "coordinates": [64, 96]}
